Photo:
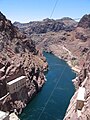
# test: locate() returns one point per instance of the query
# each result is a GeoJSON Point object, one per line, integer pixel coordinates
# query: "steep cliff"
{"type": "Point", "coordinates": [85, 21]}
{"type": "Point", "coordinates": [18, 56]}
{"type": "Point", "coordinates": [83, 80]}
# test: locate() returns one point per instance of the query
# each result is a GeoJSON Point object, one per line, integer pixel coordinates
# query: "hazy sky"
{"type": "Point", "coordinates": [31, 10]}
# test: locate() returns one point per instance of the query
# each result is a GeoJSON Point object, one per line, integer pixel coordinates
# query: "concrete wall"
{"type": "Point", "coordinates": [4, 115]}
{"type": "Point", "coordinates": [79, 105]}
{"type": "Point", "coordinates": [15, 87]}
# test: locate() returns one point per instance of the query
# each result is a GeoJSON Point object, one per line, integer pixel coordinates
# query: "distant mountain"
{"type": "Point", "coordinates": [85, 21]}
{"type": "Point", "coordinates": [47, 25]}
{"type": "Point", "coordinates": [65, 31]}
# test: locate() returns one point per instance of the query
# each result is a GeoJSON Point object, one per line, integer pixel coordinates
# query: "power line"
{"type": "Point", "coordinates": [54, 8]}
{"type": "Point", "coordinates": [59, 78]}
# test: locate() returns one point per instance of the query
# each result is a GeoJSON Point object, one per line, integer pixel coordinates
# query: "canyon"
{"type": "Point", "coordinates": [69, 40]}
{"type": "Point", "coordinates": [21, 47]}
{"type": "Point", "coordinates": [64, 37]}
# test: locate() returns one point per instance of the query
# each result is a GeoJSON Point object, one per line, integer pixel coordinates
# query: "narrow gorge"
{"type": "Point", "coordinates": [23, 67]}
{"type": "Point", "coordinates": [68, 40]}
{"type": "Point", "coordinates": [52, 101]}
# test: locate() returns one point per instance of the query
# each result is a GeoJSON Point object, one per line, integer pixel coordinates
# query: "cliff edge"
{"type": "Point", "coordinates": [18, 57]}
{"type": "Point", "coordinates": [74, 112]}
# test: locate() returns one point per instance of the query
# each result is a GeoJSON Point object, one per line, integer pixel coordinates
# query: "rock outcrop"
{"type": "Point", "coordinates": [18, 56]}
{"type": "Point", "coordinates": [85, 21]}
{"type": "Point", "coordinates": [83, 80]}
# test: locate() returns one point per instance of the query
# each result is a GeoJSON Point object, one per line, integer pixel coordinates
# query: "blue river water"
{"type": "Point", "coordinates": [52, 101]}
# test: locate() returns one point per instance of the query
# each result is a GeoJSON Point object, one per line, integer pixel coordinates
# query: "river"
{"type": "Point", "coordinates": [52, 101]}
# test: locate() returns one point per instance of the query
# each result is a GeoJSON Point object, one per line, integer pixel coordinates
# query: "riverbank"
{"type": "Point", "coordinates": [63, 53]}
{"type": "Point", "coordinates": [76, 68]}
{"type": "Point", "coordinates": [82, 80]}
{"type": "Point", "coordinates": [52, 101]}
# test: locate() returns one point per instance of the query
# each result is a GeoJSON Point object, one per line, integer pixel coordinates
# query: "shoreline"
{"type": "Point", "coordinates": [57, 71]}
{"type": "Point", "coordinates": [59, 51]}
{"type": "Point", "coordinates": [76, 68]}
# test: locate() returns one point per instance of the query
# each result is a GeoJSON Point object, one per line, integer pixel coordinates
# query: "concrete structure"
{"type": "Point", "coordinates": [80, 98]}
{"type": "Point", "coordinates": [4, 115]}
{"type": "Point", "coordinates": [13, 116]}
{"type": "Point", "coordinates": [2, 98]}
{"type": "Point", "coordinates": [16, 84]}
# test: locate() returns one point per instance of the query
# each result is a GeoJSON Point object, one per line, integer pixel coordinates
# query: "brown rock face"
{"type": "Point", "coordinates": [83, 79]}
{"type": "Point", "coordinates": [64, 37]}
{"type": "Point", "coordinates": [72, 45]}
{"type": "Point", "coordinates": [85, 21]}
{"type": "Point", "coordinates": [18, 56]}
{"type": "Point", "coordinates": [47, 25]}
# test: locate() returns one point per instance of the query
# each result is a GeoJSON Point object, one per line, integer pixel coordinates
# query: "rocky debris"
{"type": "Point", "coordinates": [30, 66]}
{"type": "Point", "coordinates": [18, 56]}
{"type": "Point", "coordinates": [83, 79]}
{"type": "Point", "coordinates": [8, 34]}
{"type": "Point", "coordinates": [26, 44]}
{"type": "Point", "coordinates": [85, 21]}
{"type": "Point", "coordinates": [81, 36]}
